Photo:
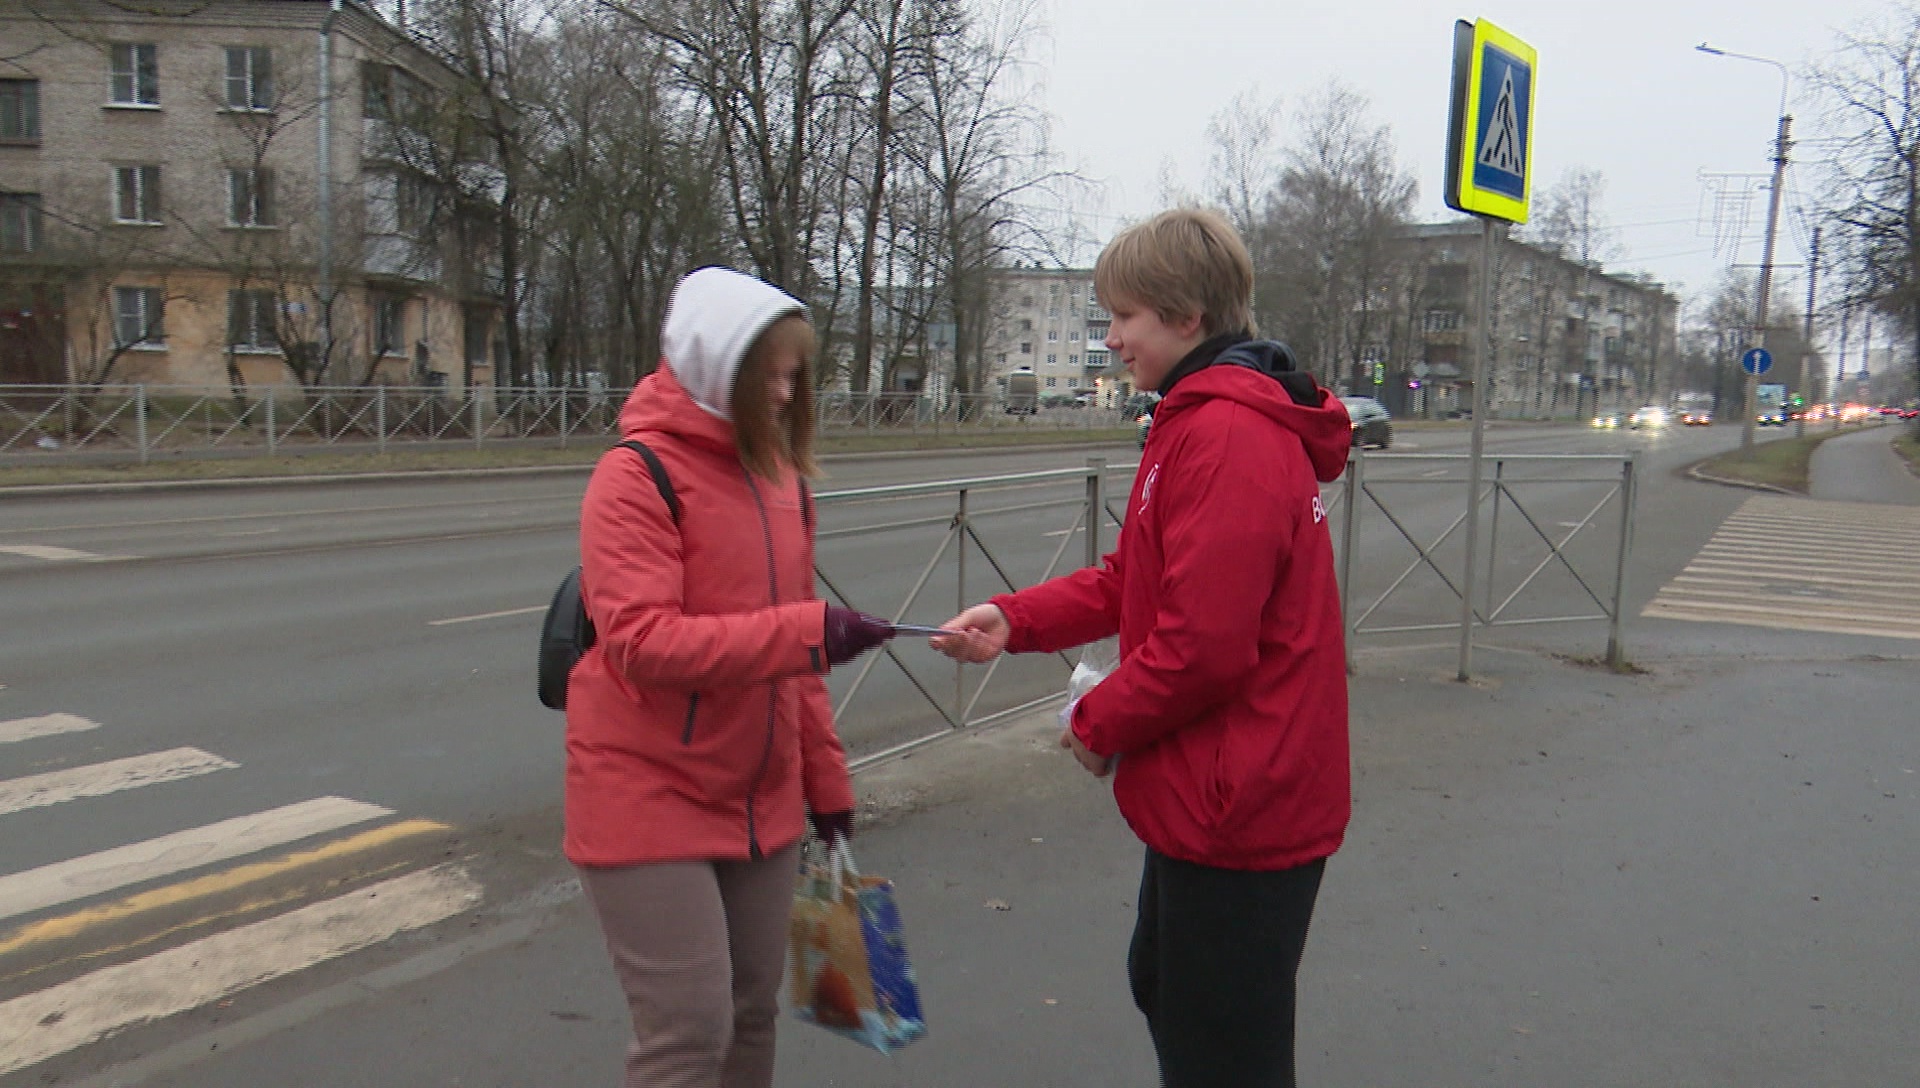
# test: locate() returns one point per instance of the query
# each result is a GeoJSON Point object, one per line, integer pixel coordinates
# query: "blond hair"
{"type": "Point", "coordinates": [1179, 264]}
{"type": "Point", "coordinates": [766, 442]}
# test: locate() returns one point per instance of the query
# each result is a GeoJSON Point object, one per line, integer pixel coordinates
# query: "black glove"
{"type": "Point", "coordinates": [828, 826]}
{"type": "Point", "coordinates": [850, 634]}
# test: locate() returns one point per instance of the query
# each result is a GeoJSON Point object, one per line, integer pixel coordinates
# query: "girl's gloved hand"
{"type": "Point", "coordinates": [832, 825]}
{"type": "Point", "coordinates": [850, 634]}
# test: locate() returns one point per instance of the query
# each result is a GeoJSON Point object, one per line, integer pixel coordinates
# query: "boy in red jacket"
{"type": "Point", "coordinates": [1225, 723]}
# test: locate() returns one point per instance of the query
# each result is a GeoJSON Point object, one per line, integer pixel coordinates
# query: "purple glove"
{"type": "Point", "coordinates": [828, 826]}
{"type": "Point", "coordinates": [850, 634]}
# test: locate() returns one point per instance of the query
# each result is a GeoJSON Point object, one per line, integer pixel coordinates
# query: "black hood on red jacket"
{"type": "Point", "coordinates": [1310, 411]}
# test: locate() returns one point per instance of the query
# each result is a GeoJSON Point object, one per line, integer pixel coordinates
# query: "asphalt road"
{"type": "Point", "coordinates": [373, 643]}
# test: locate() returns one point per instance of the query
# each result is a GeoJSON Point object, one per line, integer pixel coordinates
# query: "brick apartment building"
{"type": "Point", "coordinates": [170, 215]}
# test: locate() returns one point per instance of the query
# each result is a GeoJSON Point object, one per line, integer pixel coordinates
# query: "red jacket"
{"type": "Point", "coordinates": [1229, 707]}
{"type": "Point", "coordinates": [698, 726]}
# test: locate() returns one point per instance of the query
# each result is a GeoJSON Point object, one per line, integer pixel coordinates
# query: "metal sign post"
{"type": "Point", "coordinates": [1489, 175]}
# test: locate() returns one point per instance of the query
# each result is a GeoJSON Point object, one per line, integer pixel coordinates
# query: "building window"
{"type": "Point", "coordinates": [1073, 360]}
{"type": "Point", "coordinates": [1026, 324]}
{"type": "Point", "coordinates": [249, 77]}
{"type": "Point", "coordinates": [136, 194]}
{"type": "Point", "coordinates": [19, 222]}
{"type": "Point", "coordinates": [1026, 347]}
{"type": "Point", "coordinates": [136, 75]}
{"type": "Point", "coordinates": [1053, 311]}
{"type": "Point", "coordinates": [389, 315]}
{"type": "Point", "coordinates": [1052, 360]}
{"type": "Point", "coordinates": [1001, 358]}
{"type": "Point", "coordinates": [1053, 336]}
{"type": "Point", "coordinates": [1073, 335]}
{"type": "Point", "coordinates": [250, 197]}
{"type": "Point", "coordinates": [250, 324]}
{"type": "Point", "coordinates": [20, 111]}
{"type": "Point", "coordinates": [1052, 381]}
{"type": "Point", "coordinates": [137, 317]}
{"type": "Point", "coordinates": [1073, 383]}
{"type": "Point", "coordinates": [1441, 321]}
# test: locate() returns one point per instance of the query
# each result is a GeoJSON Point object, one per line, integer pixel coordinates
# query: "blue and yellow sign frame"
{"type": "Point", "coordinates": [1490, 127]}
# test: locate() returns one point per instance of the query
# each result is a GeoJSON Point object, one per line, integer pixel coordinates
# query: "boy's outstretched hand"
{"type": "Point", "coordinates": [980, 634]}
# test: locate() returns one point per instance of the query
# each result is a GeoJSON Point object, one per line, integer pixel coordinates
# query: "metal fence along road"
{"type": "Point", "coordinates": [41, 423]}
{"type": "Point", "coordinates": [1559, 561]}
{"type": "Point", "coordinates": [1556, 551]}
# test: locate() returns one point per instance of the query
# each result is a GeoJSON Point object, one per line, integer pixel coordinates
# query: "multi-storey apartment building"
{"type": "Point", "coordinates": [1047, 320]}
{"type": "Point", "coordinates": [1568, 338]}
{"type": "Point", "coordinates": [236, 191]}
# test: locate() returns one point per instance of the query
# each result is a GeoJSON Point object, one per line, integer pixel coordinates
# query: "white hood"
{"type": "Point", "coordinates": [713, 317]}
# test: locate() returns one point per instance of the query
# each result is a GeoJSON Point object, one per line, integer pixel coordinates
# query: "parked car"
{"type": "Point", "coordinates": [1372, 424]}
{"type": "Point", "coordinates": [1697, 419]}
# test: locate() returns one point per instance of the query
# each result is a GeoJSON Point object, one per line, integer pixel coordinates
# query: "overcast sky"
{"type": "Point", "coordinates": [1131, 84]}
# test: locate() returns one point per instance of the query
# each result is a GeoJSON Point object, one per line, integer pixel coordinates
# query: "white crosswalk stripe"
{"type": "Point", "coordinates": [108, 870]}
{"type": "Point", "coordinates": [94, 780]}
{"type": "Point", "coordinates": [243, 889]}
{"type": "Point", "coordinates": [46, 725]}
{"type": "Point", "coordinates": [39, 1025]}
{"type": "Point", "coordinates": [1805, 565]}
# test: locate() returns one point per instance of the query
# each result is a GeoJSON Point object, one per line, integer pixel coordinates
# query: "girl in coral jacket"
{"type": "Point", "coordinates": [699, 734]}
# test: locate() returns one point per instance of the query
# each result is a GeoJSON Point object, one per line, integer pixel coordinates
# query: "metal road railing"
{"type": "Point", "coordinates": [960, 537]}
{"type": "Point", "coordinates": [1368, 477]}
{"type": "Point", "coordinates": [135, 422]}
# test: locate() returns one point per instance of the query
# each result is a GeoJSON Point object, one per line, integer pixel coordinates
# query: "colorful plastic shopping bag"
{"type": "Point", "coordinates": [849, 972]}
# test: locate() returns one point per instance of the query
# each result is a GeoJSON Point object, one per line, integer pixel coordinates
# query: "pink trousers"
{"type": "Point", "coordinates": [699, 948]}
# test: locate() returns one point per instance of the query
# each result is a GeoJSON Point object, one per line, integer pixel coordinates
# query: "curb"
{"type": "Point", "coordinates": [1693, 472]}
{"type": "Point", "coordinates": [50, 491]}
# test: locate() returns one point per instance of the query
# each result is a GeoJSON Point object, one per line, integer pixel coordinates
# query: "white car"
{"type": "Point", "coordinates": [1650, 416]}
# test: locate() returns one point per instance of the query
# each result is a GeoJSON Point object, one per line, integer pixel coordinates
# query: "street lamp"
{"type": "Point", "coordinates": [1773, 223]}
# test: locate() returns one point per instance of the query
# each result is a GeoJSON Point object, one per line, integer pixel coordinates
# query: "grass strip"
{"type": "Point", "coordinates": [1781, 463]}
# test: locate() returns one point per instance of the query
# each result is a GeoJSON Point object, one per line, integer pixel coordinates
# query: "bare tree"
{"type": "Point", "coordinates": [1871, 85]}
{"type": "Point", "coordinates": [1330, 236]}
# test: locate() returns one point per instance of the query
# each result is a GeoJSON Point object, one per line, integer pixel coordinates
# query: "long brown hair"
{"type": "Point", "coordinates": [766, 442]}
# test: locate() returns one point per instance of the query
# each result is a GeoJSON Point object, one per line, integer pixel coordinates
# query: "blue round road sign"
{"type": "Point", "coordinates": [1757, 361]}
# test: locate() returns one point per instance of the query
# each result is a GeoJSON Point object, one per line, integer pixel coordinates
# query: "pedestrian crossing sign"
{"type": "Point", "coordinates": [1490, 127]}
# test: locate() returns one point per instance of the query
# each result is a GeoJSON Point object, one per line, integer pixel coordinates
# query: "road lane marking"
{"type": "Point", "coordinates": [489, 616]}
{"type": "Point", "coordinates": [41, 1025]}
{"type": "Point", "coordinates": [97, 779]}
{"type": "Point", "coordinates": [46, 725]}
{"type": "Point", "coordinates": [187, 891]}
{"type": "Point", "coordinates": [56, 555]}
{"type": "Point", "coordinates": [94, 874]}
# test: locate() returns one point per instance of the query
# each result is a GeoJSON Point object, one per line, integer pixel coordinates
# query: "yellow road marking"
{"type": "Point", "coordinates": [69, 925]}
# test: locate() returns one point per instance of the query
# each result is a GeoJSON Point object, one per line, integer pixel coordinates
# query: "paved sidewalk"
{"type": "Point", "coordinates": [1862, 467]}
{"type": "Point", "coordinates": [1557, 876]}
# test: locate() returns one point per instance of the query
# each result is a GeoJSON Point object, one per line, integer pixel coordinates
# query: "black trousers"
{"type": "Point", "coordinates": [1213, 964]}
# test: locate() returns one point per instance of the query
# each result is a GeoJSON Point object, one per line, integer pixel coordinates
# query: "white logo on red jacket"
{"type": "Point", "coordinates": [1319, 510]}
{"type": "Point", "coordinates": [1146, 489]}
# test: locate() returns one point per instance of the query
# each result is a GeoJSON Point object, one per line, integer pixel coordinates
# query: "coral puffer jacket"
{"type": "Point", "coordinates": [698, 726]}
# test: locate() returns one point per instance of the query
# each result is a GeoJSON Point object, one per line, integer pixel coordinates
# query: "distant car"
{"type": "Point", "coordinates": [1775, 418]}
{"type": "Point", "coordinates": [1146, 423]}
{"type": "Point", "coordinates": [1607, 422]}
{"type": "Point", "coordinates": [1372, 424]}
{"type": "Point", "coordinates": [1697, 419]}
{"type": "Point", "coordinates": [1649, 416]}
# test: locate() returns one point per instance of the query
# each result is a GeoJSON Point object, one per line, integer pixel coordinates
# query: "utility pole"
{"type": "Point", "coordinates": [1805, 385]}
{"type": "Point", "coordinates": [1780, 145]}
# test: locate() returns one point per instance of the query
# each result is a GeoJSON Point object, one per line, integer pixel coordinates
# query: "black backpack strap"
{"type": "Point", "coordinates": [659, 473]}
